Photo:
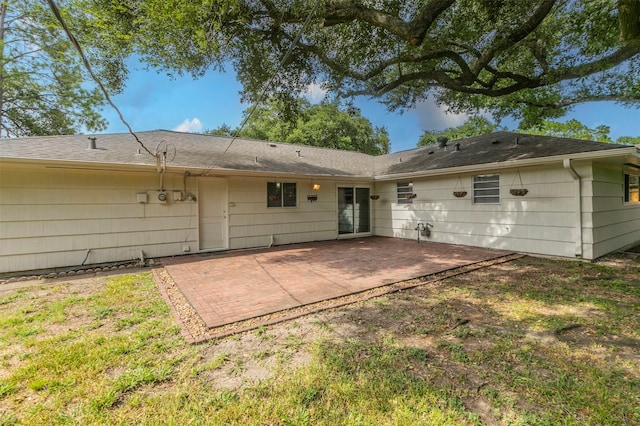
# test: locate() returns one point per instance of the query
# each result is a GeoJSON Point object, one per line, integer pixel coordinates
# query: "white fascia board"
{"type": "Point", "coordinates": [78, 165]}
{"type": "Point", "coordinates": [218, 172]}
{"type": "Point", "coordinates": [195, 172]}
{"type": "Point", "coordinates": [484, 167]}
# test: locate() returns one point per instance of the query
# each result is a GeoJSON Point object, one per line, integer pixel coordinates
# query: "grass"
{"type": "Point", "coordinates": [532, 342]}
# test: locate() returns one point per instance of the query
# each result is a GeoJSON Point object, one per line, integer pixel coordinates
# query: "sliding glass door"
{"type": "Point", "coordinates": [354, 214]}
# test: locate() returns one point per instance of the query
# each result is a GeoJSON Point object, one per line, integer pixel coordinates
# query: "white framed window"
{"type": "Point", "coordinates": [404, 192]}
{"type": "Point", "coordinates": [486, 189]}
{"type": "Point", "coordinates": [631, 188]}
{"type": "Point", "coordinates": [281, 194]}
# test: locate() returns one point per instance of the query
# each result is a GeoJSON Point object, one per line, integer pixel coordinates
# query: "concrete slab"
{"type": "Point", "coordinates": [233, 286]}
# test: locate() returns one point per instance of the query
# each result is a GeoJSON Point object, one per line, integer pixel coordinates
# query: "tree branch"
{"type": "Point", "coordinates": [628, 51]}
{"type": "Point", "coordinates": [343, 11]}
{"type": "Point", "coordinates": [506, 40]}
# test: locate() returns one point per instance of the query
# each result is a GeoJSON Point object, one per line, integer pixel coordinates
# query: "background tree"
{"type": "Point", "coordinates": [323, 125]}
{"type": "Point", "coordinates": [531, 59]}
{"type": "Point", "coordinates": [571, 129]}
{"type": "Point", "coordinates": [474, 126]}
{"type": "Point", "coordinates": [42, 89]}
{"type": "Point", "coordinates": [629, 140]}
{"type": "Point", "coordinates": [223, 130]}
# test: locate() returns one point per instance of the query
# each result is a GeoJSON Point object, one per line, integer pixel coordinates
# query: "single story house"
{"type": "Point", "coordinates": [77, 200]}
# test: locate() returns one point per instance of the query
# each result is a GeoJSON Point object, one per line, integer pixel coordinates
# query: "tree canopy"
{"type": "Point", "coordinates": [531, 59]}
{"type": "Point", "coordinates": [477, 126]}
{"type": "Point", "coordinates": [571, 129]}
{"type": "Point", "coordinates": [474, 126]}
{"type": "Point", "coordinates": [42, 89]}
{"type": "Point", "coordinates": [324, 125]}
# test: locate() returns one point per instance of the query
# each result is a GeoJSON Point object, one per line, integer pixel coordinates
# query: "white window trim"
{"type": "Point", "coordinates": [402, 190]}
{"type": "Point", "coordinates": [475, 195]}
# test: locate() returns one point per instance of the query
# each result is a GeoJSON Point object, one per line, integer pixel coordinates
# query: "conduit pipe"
{"type": "Point", "coordinates": [578, 203]}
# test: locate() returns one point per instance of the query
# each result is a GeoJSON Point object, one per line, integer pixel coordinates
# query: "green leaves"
{"type": "Point", "coordinates": [571, 129]}
{"type": "Point", "coordinates": [323, 125]}
{"type": "Point", "coordinates": [43, 89]}
{"type": "Point", "coordinates": [474, 126]}
{"type": "Point", "coordinates": [532, 60]}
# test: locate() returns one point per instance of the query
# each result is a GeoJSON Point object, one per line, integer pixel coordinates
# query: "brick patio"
{"type": "Point", "coordinates": [233, 286]}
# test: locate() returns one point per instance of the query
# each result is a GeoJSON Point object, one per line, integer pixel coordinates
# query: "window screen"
{"type": "Point", "coordinates": [486, 189]}
{"type": "Point", "coordinates": [403, 191]}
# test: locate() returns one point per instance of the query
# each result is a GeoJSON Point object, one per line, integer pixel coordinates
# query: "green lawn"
{"type": "Point", "coordinates": [531, 342]}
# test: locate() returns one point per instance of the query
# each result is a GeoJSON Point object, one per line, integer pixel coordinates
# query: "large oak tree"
{"type": "Point", "coordinates": [532, 58]}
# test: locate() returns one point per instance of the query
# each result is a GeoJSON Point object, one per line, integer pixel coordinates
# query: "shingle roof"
{"type": "Point", "coordinates": [197, 151]}
{"type": "Point", "coordinates": [492, 148]}
{"type": "Point", "coordinates": [192, 151]}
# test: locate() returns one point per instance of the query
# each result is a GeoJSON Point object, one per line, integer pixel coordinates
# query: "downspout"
{"type": "Point", "coordinates": [578, 203]}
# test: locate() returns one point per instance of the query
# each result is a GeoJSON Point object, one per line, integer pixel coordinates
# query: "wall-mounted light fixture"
{"type": "Point", "coordinates": [313, 196]}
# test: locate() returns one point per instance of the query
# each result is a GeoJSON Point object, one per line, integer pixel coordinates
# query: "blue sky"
{"type": "Point", "coordinates": [154, 101]}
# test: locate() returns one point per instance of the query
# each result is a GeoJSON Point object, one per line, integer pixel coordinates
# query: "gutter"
{"type": "Point", "coordinates": [178, 170]}
{"type": "Point", "coordinates": [578, 203]}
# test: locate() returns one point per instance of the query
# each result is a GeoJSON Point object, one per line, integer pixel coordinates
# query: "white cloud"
{"type": "Point", "coordinates": [315, 93]}
{"type": "Point", "coordinates": [189, 126]}
{"type": "Point", "coordinates": [436, 117]}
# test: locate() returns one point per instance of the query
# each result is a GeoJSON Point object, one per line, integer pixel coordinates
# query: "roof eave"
{"type": "Point", "coordinates": [195, 171]}
{"type": "Point", "coordinates": [221, 172]}
{"type": "Point", "coordinates": [78, 165]}
{"type": "Point", "coordinates": [527, 162]}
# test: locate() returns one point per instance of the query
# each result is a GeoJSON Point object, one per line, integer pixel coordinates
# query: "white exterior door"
{"type": "Point", "coordinates": [212, 202]}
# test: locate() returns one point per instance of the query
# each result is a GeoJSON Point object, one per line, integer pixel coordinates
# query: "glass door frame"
{"type": "Point", "coordinates": [354, 186]}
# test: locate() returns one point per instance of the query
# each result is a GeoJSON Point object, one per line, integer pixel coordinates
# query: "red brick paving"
{"type": "Point", "coordinates": [233, 286]}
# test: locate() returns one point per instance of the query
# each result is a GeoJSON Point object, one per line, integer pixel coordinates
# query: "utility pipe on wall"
{"type": "Point", "coordinates": [578, 203]}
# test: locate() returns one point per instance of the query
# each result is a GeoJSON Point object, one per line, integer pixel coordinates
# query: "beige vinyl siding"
{"type": "Point", "coordinates": [50, 217]}
{"type": "Point", "coordinates": [253, 224]}
{"type": "Point", "coordinates": [543, 221]}
{"type": "Point", "coordinates": [615, 224]}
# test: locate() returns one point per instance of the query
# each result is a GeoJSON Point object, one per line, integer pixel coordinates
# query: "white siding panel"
{"type": "Point", "coordinates": [543, 221]}
{"type": "Point", "coordinates": [46, 244]}
{"type": "Point", "coordinates": [253, 224]}
{"type": "Point", "coordinates": [615, 224]}
{"type": "Point", "coordinates": [51, 217]}
{"type": "Point", "coordinates": [32, 261]}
